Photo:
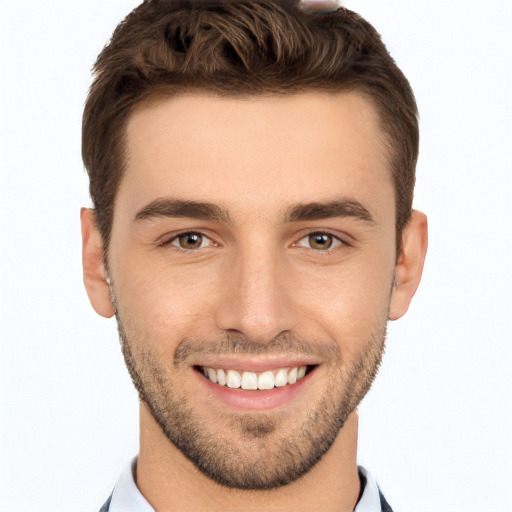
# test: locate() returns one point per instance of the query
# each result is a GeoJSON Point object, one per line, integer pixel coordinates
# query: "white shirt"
{"type": "Point", "coordinates": [126, 497]}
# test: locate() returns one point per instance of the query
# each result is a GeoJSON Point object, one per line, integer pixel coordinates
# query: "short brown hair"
{"type": "Point", "coordinates": [236, 48]}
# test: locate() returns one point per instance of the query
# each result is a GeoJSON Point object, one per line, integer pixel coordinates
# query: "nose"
{"type": "Point", "coordinates": [256, 300]}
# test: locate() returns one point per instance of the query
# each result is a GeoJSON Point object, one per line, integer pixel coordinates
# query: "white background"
{"type": "Point", "coordinates": [436, 429]}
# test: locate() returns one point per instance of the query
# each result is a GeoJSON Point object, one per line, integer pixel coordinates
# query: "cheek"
{"type": "Point", "coordinates": [163, 301]}
{"type": "Point", "coordinates": [351, 305]}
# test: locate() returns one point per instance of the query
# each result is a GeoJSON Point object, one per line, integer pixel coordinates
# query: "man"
{"type": "Point", "coordinates": [252, 166]}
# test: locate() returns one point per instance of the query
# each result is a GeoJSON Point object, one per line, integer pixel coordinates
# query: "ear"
{"type": "Point", "coordinates": [95, 276]}
{"type": "Point", "coordinates": [409, 266]}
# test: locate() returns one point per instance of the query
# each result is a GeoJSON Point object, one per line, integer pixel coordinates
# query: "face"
{"type": "Point", "coordinates": [252, 263]}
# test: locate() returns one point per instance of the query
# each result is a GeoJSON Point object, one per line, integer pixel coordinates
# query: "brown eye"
{"type": "Point", "coordinates": [188, 241]}
{"type": "Point", "coordinates": [321, 241]}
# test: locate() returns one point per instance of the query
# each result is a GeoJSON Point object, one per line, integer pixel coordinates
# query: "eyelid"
{"type": "Point", "coordinates": [168, 239]}
{"type": "Point", "coordinates": [331, 249]}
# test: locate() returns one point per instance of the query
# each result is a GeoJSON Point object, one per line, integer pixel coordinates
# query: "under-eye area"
{"type": "Point", "coordinates": [251, 381]}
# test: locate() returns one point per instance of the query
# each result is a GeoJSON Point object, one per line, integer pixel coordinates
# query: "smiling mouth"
{"type": "Point", "coordinates": [252, 381]}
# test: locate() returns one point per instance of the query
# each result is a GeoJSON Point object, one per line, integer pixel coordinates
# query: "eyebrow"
{"type": "Point", "coordinates": [331, 209]}
{"type": "Point", "coordinates": [170, 207]}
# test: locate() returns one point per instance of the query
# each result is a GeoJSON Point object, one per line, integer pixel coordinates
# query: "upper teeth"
{"type": "Point", "coordinates": [251, 381]}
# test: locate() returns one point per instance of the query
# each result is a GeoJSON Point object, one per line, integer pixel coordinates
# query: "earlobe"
{"type": "Point", "coordinates": [94, 273]}
{"type": "Point", "coordinates": [409, 266]}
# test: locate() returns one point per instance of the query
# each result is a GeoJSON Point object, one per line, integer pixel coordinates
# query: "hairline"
{"type": "Point", "coordinates": [160, 93]}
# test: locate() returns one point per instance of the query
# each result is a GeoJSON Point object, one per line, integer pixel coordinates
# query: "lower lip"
{"type": "Point", "coordinates": [255, 400]}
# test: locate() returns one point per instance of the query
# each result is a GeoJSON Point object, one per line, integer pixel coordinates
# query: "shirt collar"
{"type": "Point", "coordinates": [370, 499]}
{"type": "Point", "coordinates": [126, 497]}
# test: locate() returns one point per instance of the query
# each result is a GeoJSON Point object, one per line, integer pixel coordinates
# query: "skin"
{"type": "Point", "coordinates": [257, 277]}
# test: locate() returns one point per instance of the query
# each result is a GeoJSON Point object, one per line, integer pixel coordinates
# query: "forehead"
{"type": "Point", "coordinates": [254, 152]}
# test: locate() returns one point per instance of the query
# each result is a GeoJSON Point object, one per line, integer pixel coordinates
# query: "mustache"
{"type": "Point", "coordinates": [232, 343]}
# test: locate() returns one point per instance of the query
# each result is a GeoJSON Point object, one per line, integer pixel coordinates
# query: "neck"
{"type": "Point", "coordinates": [169, 481]}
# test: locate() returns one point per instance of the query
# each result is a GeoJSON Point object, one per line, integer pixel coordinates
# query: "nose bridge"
{"type": "Point", "coordinates": [257, 302]}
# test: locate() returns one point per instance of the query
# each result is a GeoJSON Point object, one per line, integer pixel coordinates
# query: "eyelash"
{"type": "Point", "coordinates": [169, 243]}
{"type": "Point", "coordinates": [326, 252]}
{"type": "Point", "coordinates": [336, 242]}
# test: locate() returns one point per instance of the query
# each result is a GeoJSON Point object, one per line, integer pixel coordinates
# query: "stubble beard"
{"type": "Point", "coordinates": [252, 451]}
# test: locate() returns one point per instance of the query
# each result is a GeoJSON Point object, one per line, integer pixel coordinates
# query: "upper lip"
{"type": "Point", "coordinates": [254, 364]}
